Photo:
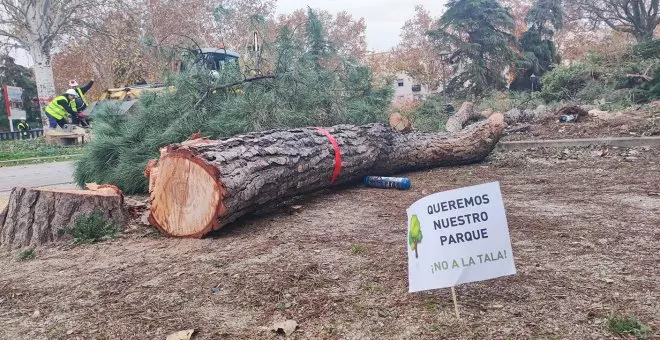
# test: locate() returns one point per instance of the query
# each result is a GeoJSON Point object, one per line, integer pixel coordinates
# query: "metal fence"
{"type": "Point", "coordinates": [17, 135]}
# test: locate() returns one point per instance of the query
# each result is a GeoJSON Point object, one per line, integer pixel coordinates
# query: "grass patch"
{"type": "Point", "coordinates": [358, 249]}
{"type": "Point", "coordinates": [92, 228]}
{"type": "Point", "coordinates": [154, 234]}
{"type": "Point", "coordinates": [283, 305]}
{"type": "Point", "coordinates": [33, 148]}
{"type": "Point", "coordinates": [430, 305]}
{"type": "Point", "coordinates": [627, 326]}
{"type": "Point", "coordinates": [436, 327]}
{"type": "Point", "coordinates": [371, 287]}
{"type": "Point", "coordinates": [30, 161]}
{"type": "Point", "coordinates": [331, 329]}
{"type": "Point", "coordinates": [27, 254]}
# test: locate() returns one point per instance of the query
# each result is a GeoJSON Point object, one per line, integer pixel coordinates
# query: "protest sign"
{"type": "Point", "coordinates": [458, 236]}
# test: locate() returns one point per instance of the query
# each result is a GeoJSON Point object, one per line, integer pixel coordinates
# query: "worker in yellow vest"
{"type": "Point", "coordinates": [59, 109]}
{"type": "Point", "coordinates": [24, 129]}
{"type": "Point", "coordinates": [80, 103]}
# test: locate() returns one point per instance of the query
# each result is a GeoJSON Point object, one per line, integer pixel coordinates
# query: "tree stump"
{"type": "Point", "coordinates": [35, 217]}
{"type": "Point", "coordinates": [202, 185]}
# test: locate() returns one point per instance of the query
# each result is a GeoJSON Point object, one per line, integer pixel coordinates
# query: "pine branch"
{"type": "Point", "coordinates": [226, 86]}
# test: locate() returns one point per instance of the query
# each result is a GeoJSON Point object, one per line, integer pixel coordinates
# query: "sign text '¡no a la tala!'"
{"type": "Point", "coordinates": [458, 236]}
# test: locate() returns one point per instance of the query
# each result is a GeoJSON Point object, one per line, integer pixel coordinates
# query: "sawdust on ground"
{"type": "Point", "coordinates": [584, 227]}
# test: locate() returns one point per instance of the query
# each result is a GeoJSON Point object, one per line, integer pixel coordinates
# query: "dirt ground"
{"type": "Point", "coordinates": [627, 123]}
{"type": "Point", "coordinates": [584, 227]}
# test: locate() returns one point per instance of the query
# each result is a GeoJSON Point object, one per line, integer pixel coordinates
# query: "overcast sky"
{"type": "Point", "coordinates": [384, 18]}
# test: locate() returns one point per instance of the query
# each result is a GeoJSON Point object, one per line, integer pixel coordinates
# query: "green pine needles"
{"type": "Point", "coordinates": [313, 86]}
{"type": "Point", "coordinates": [479, 34]}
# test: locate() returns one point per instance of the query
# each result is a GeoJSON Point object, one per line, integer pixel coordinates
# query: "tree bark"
{"type": "Point", "coordinates": [35, 217]}
{"type": "Point", "coordinates": [39, 40]}
{"type": "Point", "coordinates": [201, 185]}
{"type": "Point", "coordinates": [43, 74]}
{"type": "Point", "coordinates": [465, 116]}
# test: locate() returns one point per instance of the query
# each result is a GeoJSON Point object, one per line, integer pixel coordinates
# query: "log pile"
{"type": "Point", "coordinates": [201, 185]}
{"type": "Point", "coordinates": [35, 217]}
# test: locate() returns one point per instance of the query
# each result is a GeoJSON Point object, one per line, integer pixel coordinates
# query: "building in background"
{"type": "Point", "coordinates": [407, 88]}
{"type": "Point", "coordinates": [389, 66]}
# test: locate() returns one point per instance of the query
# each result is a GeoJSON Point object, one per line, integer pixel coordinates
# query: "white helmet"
{"type": "Point", "coordinates": [71, 92]}
{"type": "Point", "coordinates": [73, 83]}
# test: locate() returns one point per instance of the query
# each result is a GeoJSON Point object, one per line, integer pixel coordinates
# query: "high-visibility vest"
{"type": "Point", "coordinates": [73, 104]}
{"type": "Point", "coordinates": [82, 96]}
{"type": "Point", "coordinates": [56, 110]}
{"type": "Point", "coordinates": [24, 129]}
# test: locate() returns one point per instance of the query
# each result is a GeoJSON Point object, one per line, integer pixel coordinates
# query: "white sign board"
{"type": "Point", "coordinates": [14, 103]}
{"type": "Point", "coordinates": [458, 236]}
{"type": "Point", "coordinates": [14, 94]}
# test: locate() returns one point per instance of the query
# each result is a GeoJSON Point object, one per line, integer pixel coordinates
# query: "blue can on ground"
{"type": "Point", "coordinates": [401, 183]}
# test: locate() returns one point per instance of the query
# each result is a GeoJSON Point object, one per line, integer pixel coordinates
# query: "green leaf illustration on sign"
{"type": "Point", "coordinates": [415, 234]}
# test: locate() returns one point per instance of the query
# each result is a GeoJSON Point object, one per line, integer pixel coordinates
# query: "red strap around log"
{"type": "Point", "coordinates": [335, 146]}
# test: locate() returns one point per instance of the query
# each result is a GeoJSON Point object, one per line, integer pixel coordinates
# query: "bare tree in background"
{"type": "Point", "coordinates": [348, 34]}
{"type": "Point", "coordinates": [417, 54]}
{"type": "Point", "coordinates": [37, 26]}
{"type": "Point", "coordinates": [636, 17]}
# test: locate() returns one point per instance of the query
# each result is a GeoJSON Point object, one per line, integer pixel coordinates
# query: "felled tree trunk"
{"type": "Point", "coordinates": [39, 216]}
{"type": "Point", "coordinates": [465, 116]}
{"type": "Point", "coordinates": [202, 185]}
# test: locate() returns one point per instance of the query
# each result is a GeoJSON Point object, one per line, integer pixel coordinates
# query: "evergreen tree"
{"type": "Point", "coordinates": [539, 52]}
{"type": "Point", "coordinates": [318, 46]}
{"type": "Point", "coordinates": [478, 33]}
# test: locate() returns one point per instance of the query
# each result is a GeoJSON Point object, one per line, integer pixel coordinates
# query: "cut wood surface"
{"type": "Point", "coordinates": [201, 185]}
{"type": "Point", "coordinates": [38, 216]}
{"type": "Point", "coordinates": [398, 122]}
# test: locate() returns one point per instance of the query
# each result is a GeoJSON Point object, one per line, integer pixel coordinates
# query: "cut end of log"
{"type": "Point", "coordinates": [186, 198]}
{"type": "Point", "coordinates": [487, 113]}
{"type": "Point", "coordinates": [496, 123]}
{"type": "Point", "coordinates": [400, 123]}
